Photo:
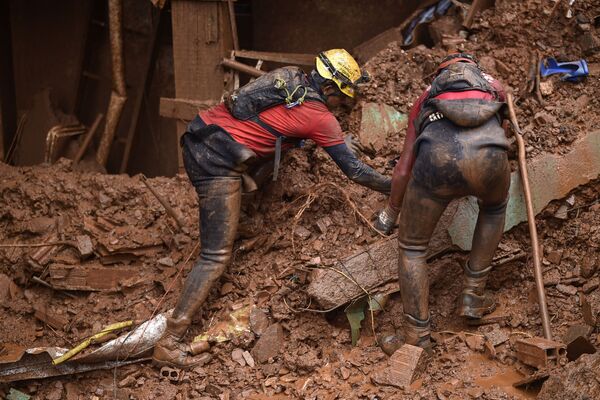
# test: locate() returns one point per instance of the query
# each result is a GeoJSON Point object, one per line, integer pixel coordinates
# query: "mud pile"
{"type": "Point", "coordinates": [507, 39]}
{"type": "Point", "coordinates": [310, 218]}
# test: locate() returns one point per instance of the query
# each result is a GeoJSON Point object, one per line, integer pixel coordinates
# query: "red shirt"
{"type": "Point", "coordinates": [311, 120]}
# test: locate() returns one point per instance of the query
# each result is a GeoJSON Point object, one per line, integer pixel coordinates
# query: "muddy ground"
{"type": "Point", "coordinates": [290, 228]}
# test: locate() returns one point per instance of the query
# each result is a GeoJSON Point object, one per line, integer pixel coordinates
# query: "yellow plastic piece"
{"type": "Point", "coordinates": [345, 64]}
{"type": "Point", "coordinates": [77, 349]}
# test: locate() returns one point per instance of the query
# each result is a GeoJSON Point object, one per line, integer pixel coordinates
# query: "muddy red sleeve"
{"type": "Point", "coordinates": [403, 169]}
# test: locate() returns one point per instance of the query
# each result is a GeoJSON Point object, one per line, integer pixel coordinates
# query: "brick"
{"type": "Point", "coordinates": [405, 366]}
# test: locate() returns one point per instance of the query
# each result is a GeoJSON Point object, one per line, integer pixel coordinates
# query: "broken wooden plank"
{"type": "Point", "coordinates": [345, 281]}
{"type": "Point", "coordinates": [90, 277]}
{"type": "Point", "coordinates": [283, 58]}
{"type": "Point", "coordinates": [44, 314]}
{"type": "Point", "coordinates": [184, 109]}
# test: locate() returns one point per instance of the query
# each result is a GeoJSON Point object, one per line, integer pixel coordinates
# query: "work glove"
{"type": "Point", "coordinates": [353, 144]}
{"type": "Point", "coordinates": [386, 220]}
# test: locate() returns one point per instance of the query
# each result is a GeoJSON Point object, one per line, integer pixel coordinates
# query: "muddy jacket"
{"type": "Point", "coordinates": [467, 98]}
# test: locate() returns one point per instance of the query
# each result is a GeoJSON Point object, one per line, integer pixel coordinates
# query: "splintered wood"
{"type": "Point", "coordinates": [369, 269]}
{"type": "Point", "coordinates": [91, 277]}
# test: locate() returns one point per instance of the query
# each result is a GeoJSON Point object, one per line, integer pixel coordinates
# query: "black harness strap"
{"type": "Point", "coordinates": [280, 138]}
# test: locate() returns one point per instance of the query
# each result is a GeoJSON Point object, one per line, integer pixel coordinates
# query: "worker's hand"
{"type": "Point", "coordinates": [354, 145]}
{"type": "Point", "coordinates": [386, 219]}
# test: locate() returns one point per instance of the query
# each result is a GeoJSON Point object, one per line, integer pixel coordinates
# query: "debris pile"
{"type": "Point", "coordinates": [81, 251]}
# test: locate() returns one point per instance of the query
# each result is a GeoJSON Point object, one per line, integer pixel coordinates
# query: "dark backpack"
{"type": "Point", "coordinates": [459, 77]}
{"type": "Point", "coordinates": [287, 85]}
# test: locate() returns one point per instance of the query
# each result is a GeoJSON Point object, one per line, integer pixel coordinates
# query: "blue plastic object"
{"type": "Point", "coordinates": [572, 71]}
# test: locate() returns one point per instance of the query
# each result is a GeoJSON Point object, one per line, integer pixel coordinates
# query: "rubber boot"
{"type": "Point", "coordinates": [414, 288]}
{"type": "Point", "coordinates": [170, 350]}
{"type": "Point", "coordinates": [473, 302]}
{"type": "Point", "coordinates": [418, 332]}
{"type": "Point", "coordinates": [220, 200]}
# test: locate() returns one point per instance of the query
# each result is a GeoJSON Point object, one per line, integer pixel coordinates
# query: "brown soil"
{"type": "Point", "coordinates": [277, 247]}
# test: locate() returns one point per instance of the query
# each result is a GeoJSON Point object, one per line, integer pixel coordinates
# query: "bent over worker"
{"type": "Point", "coordinates": [455, 146]}
{"type": "Point", "coordinates": [272, 113]}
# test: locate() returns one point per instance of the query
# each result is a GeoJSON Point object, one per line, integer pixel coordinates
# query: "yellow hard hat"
{"type": "Point", "coordinates": [339, 66]}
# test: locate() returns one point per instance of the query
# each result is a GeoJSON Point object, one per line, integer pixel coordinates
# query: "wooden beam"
{"type": "Point", "coordinates": [476, 6]}
{"type": "Point", "coordinates": [283, 58]}
{"type": "Point", "coordinates": [201, 38]}
{"type": "Point", "coordinates": [183, 109]}
{"type": "Point", "coordinates": [246, 69]}
{"type": "Point", "coordinates": [140, 92]}
{"type": "Point", "coordinates": [8, 105]}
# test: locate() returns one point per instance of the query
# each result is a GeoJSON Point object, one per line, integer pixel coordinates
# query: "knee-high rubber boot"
{"type": "Point", "coordinates": [220, 200]}
{"type": "Point", "coordinates": [414, 288]}
{"type": "Point", "coordinates": [473, 302]}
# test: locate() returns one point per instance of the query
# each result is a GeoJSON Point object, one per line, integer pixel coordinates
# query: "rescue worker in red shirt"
{"type": "Point", "coordinates": [262, 118]}
{"type": "Point", "coordinates": [455, 146]}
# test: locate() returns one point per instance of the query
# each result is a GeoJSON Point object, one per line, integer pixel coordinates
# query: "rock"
{"type": "Point", "coordinates": [237, 355]}
{"type": "Point", "coordinates": [582, 102]}
{"type": "Point", "coordinates": [166, 261]}
{"type": "Point", "coordinates": [589, 266]}
{"type": "Point", "coordinates": [403, 368]}
{"type": "Point", "coordinates": [475, 342]}
{"type": "Point", "coordinates": [84, 246]}
{"type": "Point", "coordinates": [259, 322]}
{"type": "Point", "coordinates": [248, 358]}
{"type": "Point", "coordinates": [323, 224]}
{"type": "Point", "coordinates": [569, 290]}
{"type": "Point", "coordinates": [554, 256]}
{"type": "Point", "coordinates": [546, 88]}
{"type": "Point", "coordinates": [589, 43]}
{"type": "Point", "coordinates": [576, 380]}
{"type": "Point", "coordinates": [345, 373]}
{"type": "Point", "coordinates": [496, 336]}
{"type": "Point", "coordinates": [302, 232]}
{"type": "Point", "coordinates": [269, 345]}
{"type": "Point", "coordinates": [590, 308]}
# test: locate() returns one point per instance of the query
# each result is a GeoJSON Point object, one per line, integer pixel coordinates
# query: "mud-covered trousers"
{"type": "Point", "coordinates": [214, 163]}
{"type": "Point", "coordinates": [451, 162]}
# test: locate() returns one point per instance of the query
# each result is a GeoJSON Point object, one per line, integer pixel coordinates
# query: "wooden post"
{"type": "Point", "coordinates": [201, 39]}
{"type": "Point", "coordinates": [8, 106]}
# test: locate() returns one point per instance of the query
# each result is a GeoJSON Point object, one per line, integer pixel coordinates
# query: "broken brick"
{"type": "Point", "coordinates": [403, 368]}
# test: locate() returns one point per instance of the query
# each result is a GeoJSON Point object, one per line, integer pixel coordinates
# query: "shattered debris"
{"type": "Point", "coordinates": [109, 250]}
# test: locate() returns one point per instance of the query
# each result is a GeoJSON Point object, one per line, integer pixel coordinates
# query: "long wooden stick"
{"type": "Point", "coordinates": [88, 138]}
{"type": "Point", "coordinates": [537, 265]}
{"type": "Point", "coordinates": [164, 203]}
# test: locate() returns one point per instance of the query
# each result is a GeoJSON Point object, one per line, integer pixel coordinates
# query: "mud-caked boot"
{"type": "Point", "coordinates": [473, 301]}
{"type": "Point", "coordinates": [417, 332]}
{"type": "Point", "coordinates": [170, 350]}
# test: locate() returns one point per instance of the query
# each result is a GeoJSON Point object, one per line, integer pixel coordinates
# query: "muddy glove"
{"type": "Point", "coordinates": [353, 144]}
{"type": "Point", "coordinates": [386, 219]}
